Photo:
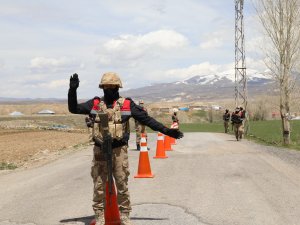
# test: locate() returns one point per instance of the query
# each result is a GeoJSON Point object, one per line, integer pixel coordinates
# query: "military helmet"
{"type": "Point", "coordinates": [110, 78]}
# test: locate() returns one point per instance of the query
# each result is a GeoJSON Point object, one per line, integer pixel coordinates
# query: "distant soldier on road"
{"type": "Point", "coordinates": [175, 118]}
{"type": "Point", "coordinates": [226, 119]}
{"type": "Point", "coordinates": [175, 121]}
{"type": "Point", "coordinates": [119, 110]}
{"type": "Point", "coordinates": [237, 121]}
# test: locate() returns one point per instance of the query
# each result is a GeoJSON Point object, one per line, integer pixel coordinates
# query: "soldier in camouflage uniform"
{"type": "Point", "coordinates": [119, 111]}
{"type": "Point", "coordinates": [226, 118]}
{"type": "Point", "coordinates": [139, 128]}
{"type": "Point", "coordinates": [237, 121]}
{"type": "Point", "coordinates": [175, 118]}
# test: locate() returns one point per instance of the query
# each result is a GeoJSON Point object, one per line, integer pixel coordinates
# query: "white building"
{"type": "Point", "coordinates": [46, 112]}
{"type": "Point", "coordinates": [16, 113]}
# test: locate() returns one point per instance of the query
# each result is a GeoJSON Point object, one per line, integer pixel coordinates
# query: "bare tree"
{"type": "Point", "coordinates": [280, 20]}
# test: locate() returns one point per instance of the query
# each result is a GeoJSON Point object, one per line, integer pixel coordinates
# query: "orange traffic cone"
{"type": "Point", "coordinates": [167, 144]}
{"type": "Point", "coordinates": [174, 126]}
{"type": "Point", "coordinates": [144, 170]}
{"type": "Point", "coordinates": [111, 212]}
{"type": "Point", "coordinates": [160, 149]}
{"type": "Point", "coordinates": [172, 141]}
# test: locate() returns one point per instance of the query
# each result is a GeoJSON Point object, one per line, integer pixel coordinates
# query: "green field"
{"type": "Point", "coordinates": [266, 132]}
{"type": "Point", "coordinates": [270, 132]}
{"type": "Point", "coordinates": [202, 127]}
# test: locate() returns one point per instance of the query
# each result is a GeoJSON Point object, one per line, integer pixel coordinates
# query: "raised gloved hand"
{"type": "Point", "coordinates": [175, 133]}
{"type": "Point", "coordinates": [74, 81]}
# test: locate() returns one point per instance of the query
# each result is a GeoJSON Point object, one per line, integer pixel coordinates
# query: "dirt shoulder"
{"type": "Point", "coordinates": [26, 148]}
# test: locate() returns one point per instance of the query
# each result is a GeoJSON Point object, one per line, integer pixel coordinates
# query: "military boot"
{"type": "Point", "coordinates": [99, 217]}
{"type": "Point", "coordinates": [125, 219]}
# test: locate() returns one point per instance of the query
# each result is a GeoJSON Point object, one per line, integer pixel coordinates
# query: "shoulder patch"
{"type": "Point", "coordinates": [126, 105]}
{"type": "Point", "coordinates": [96, 102]}
{"type": "Point", "coordinates": [125, 109]}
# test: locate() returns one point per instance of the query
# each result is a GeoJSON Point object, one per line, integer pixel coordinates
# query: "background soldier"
{"type": "Point", "coordinates": [119, 111]}
{"type": "Point", "coordinates": [175, 121]}
{"type": "Point", "coordinates": [175, 118]}
{"type": "Point", "coordinates": [226, 119]}
{"type": "Point", "coordinates": [237, 122]}
{"type": "Point", "coordinates": [243, 113]}
{"type": "Point", "coordinates": [139, 128]}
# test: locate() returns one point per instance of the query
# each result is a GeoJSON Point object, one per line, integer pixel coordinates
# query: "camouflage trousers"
{"type": "Point", "coordinates": [238, 130]}
{"type": "Point", "coordinates": [139, 130]}
{"type": "Point", "coordinates": [120, 174]}
{"type": "Point", "coordinates": [226, 126]}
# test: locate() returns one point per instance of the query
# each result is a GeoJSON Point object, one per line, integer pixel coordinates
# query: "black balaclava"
{"type": "Point", "coordinates": [111, 95]}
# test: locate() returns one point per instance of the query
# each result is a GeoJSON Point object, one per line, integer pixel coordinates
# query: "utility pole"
{"type": "Point", "coordinates": [240, 64]}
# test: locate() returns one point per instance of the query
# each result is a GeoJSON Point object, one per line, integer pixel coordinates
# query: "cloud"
{"type": "Point", "coordinates": [137, 47]}
{"type": "Point", "coordinates": [42, 64]}
{"type": "Point", "coordinates": [2, 64]}
{"type": "Point", "coordinates": [43, 82]}
{"type": "Point", "coordinates": [55, 84]}
{"type": "Point", "coordinates": [217, 39]}
{"type": "Point", "coordinates": [212, 43]}
{"type": "Point", "coordinates": [204, 68]}
{"type": "Point", "coordinates": [162, 40]}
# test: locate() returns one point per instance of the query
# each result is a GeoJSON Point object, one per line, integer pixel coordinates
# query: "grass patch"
{"type": "Point", "coordinates": [270, 133]}
{"type": "Point", "coordinates": [264, 132]}
{"type": "Point", "coordinates": [202, 127]}
{"type": "Point", "coordinates": [7, 166]}
{"type": "Point", "coordinates": [200, 113]}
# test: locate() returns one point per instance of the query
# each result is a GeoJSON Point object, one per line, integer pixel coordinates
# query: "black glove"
{"type": "Point", "coordinates": [175, 133]}
{"type": "Point", "coordinates": [74, 81]}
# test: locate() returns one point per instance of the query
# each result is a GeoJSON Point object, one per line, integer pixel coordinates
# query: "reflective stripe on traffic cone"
{"type": "Point", "coordinates": [174, 126]}
{"type": "Point", "coordinates": [167, 144]}
{"type": "Point", "coordinates": [144, 170]}
{"type": "Point", "coordinates": [111, 211]}
{"type": "Point", "coordinates": [160, 149]}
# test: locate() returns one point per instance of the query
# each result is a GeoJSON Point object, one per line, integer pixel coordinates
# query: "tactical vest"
{"type": "Point", "coordinates": [226, 116]}
{"type": "Point", "coordinates": [236, 118]}
{"type": "Point", "coordinates": [116, 128]}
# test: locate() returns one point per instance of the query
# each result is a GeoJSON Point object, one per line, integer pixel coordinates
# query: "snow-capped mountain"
{"type": "Point", "coordinates": [201, 87]}
{"type": "Point", "coordinates": [212, 79]}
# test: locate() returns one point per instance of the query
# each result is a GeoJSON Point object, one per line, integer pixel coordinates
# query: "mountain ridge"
{"type": "Point", "coordinates": [200, 87]}
{"type": "Point", "coordinates": [194, 88]}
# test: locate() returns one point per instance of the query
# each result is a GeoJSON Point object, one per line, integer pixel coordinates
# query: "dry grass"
{"type": "Point", "coordinates": [19, 146]}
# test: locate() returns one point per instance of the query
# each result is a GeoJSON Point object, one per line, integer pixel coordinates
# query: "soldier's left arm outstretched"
{"type": "Point", "coordinates": [139, 114]}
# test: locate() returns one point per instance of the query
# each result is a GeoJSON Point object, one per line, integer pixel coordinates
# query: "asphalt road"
{"type": "Point", "coordinates": [209, 179]}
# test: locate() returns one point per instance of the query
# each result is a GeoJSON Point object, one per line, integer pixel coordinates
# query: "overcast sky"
{"type": "Point", "coordinates": [43, 42]}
